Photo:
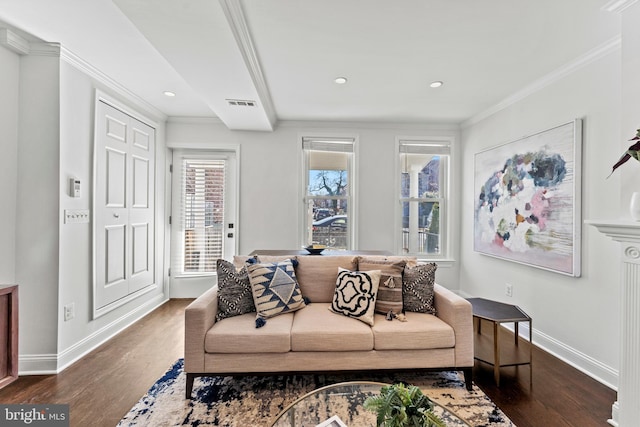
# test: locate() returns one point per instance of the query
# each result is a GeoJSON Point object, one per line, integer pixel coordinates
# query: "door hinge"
{"type": "Point", "coordinates": [169, 219]}
{"type": "Point", "coordinates": [169, 272]}
{"type": "Point", "coordinates": [171, 168]}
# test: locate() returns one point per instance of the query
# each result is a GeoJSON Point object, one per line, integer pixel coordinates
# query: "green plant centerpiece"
{"type": "Point", "coordinates": [401, 405]}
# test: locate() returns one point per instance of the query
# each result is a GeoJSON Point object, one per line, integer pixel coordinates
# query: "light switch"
{"type": "Point", "coordinates": [76, 216]}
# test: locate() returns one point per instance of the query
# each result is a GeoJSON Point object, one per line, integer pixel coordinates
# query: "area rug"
{"type": "Point", "coordinates": [257, 400]}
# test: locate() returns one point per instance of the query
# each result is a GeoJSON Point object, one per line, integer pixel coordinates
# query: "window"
{"type": "Point", "coordinates": [423, 190]}
{"type": "Point", "coordinates": [328, 182]}
{"type": "Point", "coordinates": [201, 214]}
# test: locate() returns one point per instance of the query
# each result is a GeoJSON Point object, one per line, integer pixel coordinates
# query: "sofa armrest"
{"type": "Point", "coordinates": [458, 313]}
{"type": "Point", "coordinates": [199, 317]}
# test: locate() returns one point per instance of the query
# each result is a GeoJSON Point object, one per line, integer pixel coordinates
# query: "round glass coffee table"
{"type": "Point", "coordinates": [343, 401]}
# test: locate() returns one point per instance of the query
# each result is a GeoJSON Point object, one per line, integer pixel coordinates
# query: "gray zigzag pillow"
{"type": "Point", "coordinates": [417, 288]}
{"type": "Point", "coordinates": [234, 291]}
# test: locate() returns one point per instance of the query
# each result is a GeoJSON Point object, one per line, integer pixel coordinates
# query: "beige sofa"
{"type": "Point", "coordinates": [315, 339]}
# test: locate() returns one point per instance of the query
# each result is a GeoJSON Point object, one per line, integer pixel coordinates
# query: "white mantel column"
{"type": "Point", "coordinates": [626, 411]}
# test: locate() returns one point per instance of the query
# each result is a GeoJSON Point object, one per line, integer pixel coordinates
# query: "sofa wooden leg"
{"type": "Point", "coordinates": [189, 385]}
{"type": "Point", "coordinates": [468, 377]}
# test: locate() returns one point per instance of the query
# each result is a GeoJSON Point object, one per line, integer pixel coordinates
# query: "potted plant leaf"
{"type": "Point", "coordinates": [400, 405]}
{"type": "Point", "coordinates": [632, 151]}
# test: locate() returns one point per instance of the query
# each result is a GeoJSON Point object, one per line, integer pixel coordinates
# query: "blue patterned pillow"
{"type": "Point", "coordinates": [275, 289]}
{"type": "Point", "coordinates": [356, 293]}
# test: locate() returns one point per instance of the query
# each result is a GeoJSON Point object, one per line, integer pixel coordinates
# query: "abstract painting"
{"type": "Point", "coordinates": [527, 200]}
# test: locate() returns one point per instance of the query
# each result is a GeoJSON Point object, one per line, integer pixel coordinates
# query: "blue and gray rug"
{"type": "Point", "coordinates": [257, 401]}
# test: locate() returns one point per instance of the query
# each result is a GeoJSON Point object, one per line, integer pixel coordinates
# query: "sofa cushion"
{"type": "Point", "coordinates": [390, 288]}
{"type": "Point", "coordinates": [235, 296]}
{"type": "Point", "coordinates": [239, 335]}
{"type": "Point", "coordinates": [417, 288]}
{"type": "Point", "coordinates": [275, 289]}
{"type": "Point", "coordinates": [355, 294]}
{"type": "Point", "coordinates": [317, 274]}
{"type": "Point", "coordinates": [265, 259]}
{"type": "Point", "coordinates": [316, 328]}
{"type": "Point", "coordinates": [240, 260]}
{"type": "Point", "coordinates": [420, 331]}
{"type": "Point", "coordinates": [411, 261]}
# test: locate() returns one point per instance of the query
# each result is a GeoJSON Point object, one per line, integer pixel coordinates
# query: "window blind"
{"type": "Point", "coordinates": [343, 145]}
{"type": "Point", "coordinates": [424, 147]}
{"type": "Point", "coordinates": [202, 214]}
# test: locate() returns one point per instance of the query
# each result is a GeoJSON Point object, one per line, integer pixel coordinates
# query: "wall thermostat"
{"type": "Point", "coordinates": [74, 187]}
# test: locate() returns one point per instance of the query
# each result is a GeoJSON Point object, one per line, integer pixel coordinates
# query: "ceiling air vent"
{"type": "Point", "coordinates": [241, 103]}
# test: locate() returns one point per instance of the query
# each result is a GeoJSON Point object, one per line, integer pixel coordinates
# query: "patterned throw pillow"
{"type": "Point", "coordinates": [417, 288]}
{"type": "Point", "coordinates": [234, 291]}
{"type": "Point", "coordinates": [355, 294]}
{"type": "Point", "coordinates": [275, 289]}
{"type": "Point", "coordinates": [390, 289]}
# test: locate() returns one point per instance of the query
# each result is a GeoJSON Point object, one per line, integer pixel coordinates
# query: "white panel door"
{"type": "Point", "coordinates": [111, 212]}
{"type": "Point", "coordinates": [184, 283]}
{"type": "Point", "coordinates": [124, 205]}
{"type": "Point", "coordinates": [141, 211]}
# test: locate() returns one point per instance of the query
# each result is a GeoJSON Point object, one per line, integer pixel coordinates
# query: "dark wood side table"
{"type": "Point", "coordinates": [8, 334]}
{"type": "Point", "coordinates": [499, 354]}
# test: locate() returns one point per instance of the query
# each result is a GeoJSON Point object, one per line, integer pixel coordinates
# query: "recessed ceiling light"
{"type": "Point", "coordinates": [169, 93]}
{"type": "Point", "coordinates": [437, 83]}
{"type": "Point", "coordinates": [340, 80]}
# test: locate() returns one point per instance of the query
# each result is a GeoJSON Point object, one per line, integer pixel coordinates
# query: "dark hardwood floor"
{"type": "Point", "coordinates": [559, 396]}
{"type": "Point", "coordinates": [102, 387]}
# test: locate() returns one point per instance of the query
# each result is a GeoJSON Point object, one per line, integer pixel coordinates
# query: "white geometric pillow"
{"type": "Point", "coordinates": [355, 294]}
{"type": "Point", "coordinates": [275, 289]}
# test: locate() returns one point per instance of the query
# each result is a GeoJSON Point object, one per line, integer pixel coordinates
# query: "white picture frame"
{"type": "Point", "coordinates": [527, 200]}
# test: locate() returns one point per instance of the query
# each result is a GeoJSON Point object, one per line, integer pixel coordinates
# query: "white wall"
{"type": "Point", "coordinates": [576, 318]}
{"type": "Point", "coordinates": [77, 109]}
{"type": "Point", "coordinates": [37, 207]}
{"type": "Point", "coordinates": [270, 179]}
{"type": "Point", "coordinates": [630, 172]}
{"type": "Point", "coordinates": [9, 81]}
{"type": "Point", "coordinates": [46, 125]}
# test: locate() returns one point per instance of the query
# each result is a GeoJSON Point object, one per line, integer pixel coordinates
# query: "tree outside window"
{"type": "Point", "coordinates": [327, 195]}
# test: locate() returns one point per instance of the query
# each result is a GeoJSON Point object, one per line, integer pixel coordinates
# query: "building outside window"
{"type": "Point", "coordinates": [328, 170]}
{"type": "Point", "coordinates": [202, 214]}
{"type": "Point", "coordinates": [423, 191]}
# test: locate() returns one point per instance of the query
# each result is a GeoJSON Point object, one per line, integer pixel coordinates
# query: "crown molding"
{"type": "Point", "coordinates": [45, 49]}
{"type": "Point", "coordinates": [238, 24]}
{"type": "Point", "coordinates": [598, 52]}
{"type": "Point", "coordinates": [618, 6]}
{"type": "Point", "coordinates": [360, 125]}
{"type": "Point", "coordinates": [74, 60]}
{"type": "Point", "coordinates": [14, 42]}
{"type": "Point", "coordinates": [195, 120]}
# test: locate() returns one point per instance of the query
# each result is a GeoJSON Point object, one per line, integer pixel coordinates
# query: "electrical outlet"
{"type": "Point", "coordinates": [508, 290]}
{"type": "Point", "coordinates": [69, 312]}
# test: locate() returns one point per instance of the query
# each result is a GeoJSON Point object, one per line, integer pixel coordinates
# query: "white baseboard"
{"type": "Point", "coordinates": [37, 364]}
{"type": "Point", "coordinates": [47, 364]}
{"type": "Point", "coordinates": [582, 362]}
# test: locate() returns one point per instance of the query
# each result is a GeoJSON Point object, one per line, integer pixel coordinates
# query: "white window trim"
{"type": "Point", "coordinates": [445, 257]}
{"type": "Point", "coordinates": [353, 182]}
